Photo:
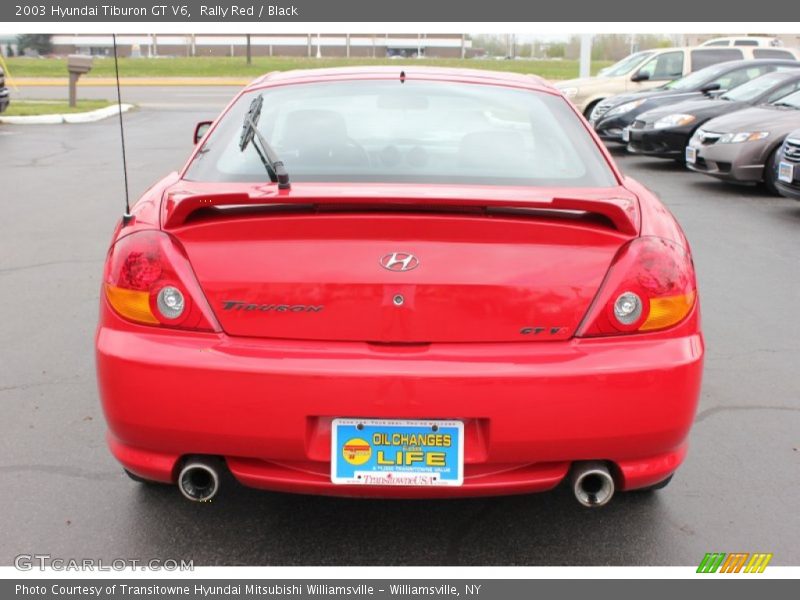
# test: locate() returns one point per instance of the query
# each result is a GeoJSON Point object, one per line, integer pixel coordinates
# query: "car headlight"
{"type": "Point", "coordinates": [624, 108]}
{"type": "Point", "coordinates": [676, 120]}
{"type": "Point", "coordinates": [742, 136]}
{"type": "Point", "coordinates": [570, 92]}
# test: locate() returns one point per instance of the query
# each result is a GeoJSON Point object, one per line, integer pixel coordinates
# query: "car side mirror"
{"type": "Point", "coordinates": [201, 129]}
{"type": "Point", "coordinates": [640, 76]}
{"type": "Point", "coordinates": [710, 87]}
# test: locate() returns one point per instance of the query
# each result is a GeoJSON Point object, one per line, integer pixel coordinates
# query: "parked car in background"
{"type": "Point", "coordinates": [664, 132]}
{"type": "Point", "coordinates": [787, 173]}
{"type": "Point", "coordinates": [743, 40]}
{"type": "Point", "coordinates": [612, 118]}
{"type": "Point", "coordinates": [647, 70]}
{"type": "Point", "coordinates": [4, 95]}
{"type": "Point", "coordinates": [742, 147]}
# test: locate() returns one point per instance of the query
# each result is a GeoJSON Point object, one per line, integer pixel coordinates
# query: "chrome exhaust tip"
{"type": "Point", "coordinates": [198, 481]}
{"type": "Point", "coordinates": [592, 484]}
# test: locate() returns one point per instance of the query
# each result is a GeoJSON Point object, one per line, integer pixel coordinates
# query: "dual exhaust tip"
{"type": "Point", "coordinates": [592, 483]}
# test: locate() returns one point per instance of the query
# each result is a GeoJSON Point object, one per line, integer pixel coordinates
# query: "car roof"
{"type": "Point", "coordinates": [530, 81]}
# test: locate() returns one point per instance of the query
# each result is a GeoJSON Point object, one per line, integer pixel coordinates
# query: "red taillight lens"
{"type": "Point", "coordinates": [650, 286]}
{"type": "Point", "coordinates": [148, 279]}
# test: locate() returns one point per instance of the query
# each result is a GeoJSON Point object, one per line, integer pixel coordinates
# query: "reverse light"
{"type": "Point", "coordinates": [148, 280]}
{"type": "Point", "coordinates": [170, 302]}
{"type": "Point", "coordinates": [676, 120]}
{"type": "Point", "coordinates": [625, 108]}
{"type": "Point", "coordinates": [628, 308]}
{"type": "Point", "coordinates": [650, 286]}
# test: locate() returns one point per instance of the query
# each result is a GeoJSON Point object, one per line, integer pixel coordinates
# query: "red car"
{"type": "Point", "coordinates": [429, 283]}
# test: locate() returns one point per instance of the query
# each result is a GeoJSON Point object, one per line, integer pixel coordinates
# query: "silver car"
{"type": "Point", "coordinates": [742, 146]}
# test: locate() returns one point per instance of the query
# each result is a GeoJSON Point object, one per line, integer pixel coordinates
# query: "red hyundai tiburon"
{"type": "Point", "coordinates": [429, 283]}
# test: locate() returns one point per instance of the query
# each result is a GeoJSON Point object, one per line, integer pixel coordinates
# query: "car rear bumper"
{"type": "Point", "coordinates": [530, 409]}
{"type": "Point", "coordinates": [5, 100]}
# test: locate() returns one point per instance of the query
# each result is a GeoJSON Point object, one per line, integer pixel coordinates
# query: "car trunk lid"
{"type": "Point", "coordinates": [400, 268]}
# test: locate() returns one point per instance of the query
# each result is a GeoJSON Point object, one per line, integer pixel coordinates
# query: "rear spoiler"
{"type": "Point", "coordinates": [623, 213]}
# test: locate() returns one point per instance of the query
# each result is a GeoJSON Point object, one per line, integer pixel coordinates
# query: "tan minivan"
{"type": "Point", "coordinates": [651, 68]}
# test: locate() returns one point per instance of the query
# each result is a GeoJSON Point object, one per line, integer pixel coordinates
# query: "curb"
{"type": "Point", "coordinates": [83, 117]}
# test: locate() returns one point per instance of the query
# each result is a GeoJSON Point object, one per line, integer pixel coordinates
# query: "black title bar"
{"type": "Point", "coordinates": [276, 12]}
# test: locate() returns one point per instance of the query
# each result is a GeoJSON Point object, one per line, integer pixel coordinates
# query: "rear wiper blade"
{"type": "Point", "coordinates": [274, 165]}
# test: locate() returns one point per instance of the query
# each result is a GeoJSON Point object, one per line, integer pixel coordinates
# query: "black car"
{"type": "Point", "coordinates": [665, 132]}
{"type": "Point", "coordinates": [787, 167]}
{"type": "Point", "coordinates": [613, 116]}
{"type": "Point", "coordinates": [4, 96]}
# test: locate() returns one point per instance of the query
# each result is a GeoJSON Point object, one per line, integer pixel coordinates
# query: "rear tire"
{"type": "Point", "coordinates": [141, 480]}
{"type": "Point", "coordinates": [655, 487]}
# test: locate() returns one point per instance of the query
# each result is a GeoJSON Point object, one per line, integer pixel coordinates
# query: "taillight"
{"type": "Point", "coordinates": [148, 279]}
{"type": "Point", "coordinates": [650, 286]}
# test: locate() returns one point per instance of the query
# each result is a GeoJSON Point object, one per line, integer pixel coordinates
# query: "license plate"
{"type": "Point", "coordinates": [400, 453]}
{"type": "Point", "coordinates": [786, 172]}
{"type": "Point", "coordinates": [691, 154]}
{"type": "Point", "coordinates": [626, 134]}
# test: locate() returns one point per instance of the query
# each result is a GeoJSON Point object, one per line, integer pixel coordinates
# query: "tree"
{"type": "Point", "coordinates": [556, 50]}
{"type": "Point", "coordinates": [39, 43]}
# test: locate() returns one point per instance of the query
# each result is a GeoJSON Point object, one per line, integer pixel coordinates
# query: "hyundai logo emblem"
{"type": "Point", "coordinates": [399, 261]}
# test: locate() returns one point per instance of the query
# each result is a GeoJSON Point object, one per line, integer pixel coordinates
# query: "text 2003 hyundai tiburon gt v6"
{"type": "Point", "coordinates": [431, 283]}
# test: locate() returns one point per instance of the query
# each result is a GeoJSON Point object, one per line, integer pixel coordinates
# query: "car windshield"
{"type": "Point", "coordinates": [694, 80]}
{"type": "Point", "coordinates": [626, 65]}
{"type": "Point", "coordinates": [790, 101]}
{"type": "Point", "coordinates": [412, 132]}
{"type": "Point", "coordinates": [751, 90]}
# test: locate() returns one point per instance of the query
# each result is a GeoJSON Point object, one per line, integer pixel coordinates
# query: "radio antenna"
{"type": "Point", "coordinates": [126, 216]}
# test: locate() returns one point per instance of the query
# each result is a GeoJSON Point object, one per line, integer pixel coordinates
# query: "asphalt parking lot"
{"type": "Point", "coordinates": [62, 493]}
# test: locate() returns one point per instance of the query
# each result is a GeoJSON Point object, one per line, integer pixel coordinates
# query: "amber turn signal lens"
{"type": "Point", "coordinates": [131, 304]}
{"type": "Point", "coordinates": [667, 311]}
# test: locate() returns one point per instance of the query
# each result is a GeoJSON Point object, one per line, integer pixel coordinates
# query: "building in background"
{"type": "Point", "coordinates": [380, 45]}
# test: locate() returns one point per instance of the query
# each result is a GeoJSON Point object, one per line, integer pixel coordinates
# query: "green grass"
{"type": "Point", "coordinates": [27, 108]}
{"type": "Point", "coordinates": [237, 67]}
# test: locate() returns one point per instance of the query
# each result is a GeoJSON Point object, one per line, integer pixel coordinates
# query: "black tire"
{"type": "Point", "coordinates": [142, 480]}
{"type": "Point", "coordinates": [656, 486]}
{"type": "Point", "coordinates": [771, 172]}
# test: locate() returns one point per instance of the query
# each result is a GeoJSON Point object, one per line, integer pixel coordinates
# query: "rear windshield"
{"type": "Point", "coordinates": [412, 132]}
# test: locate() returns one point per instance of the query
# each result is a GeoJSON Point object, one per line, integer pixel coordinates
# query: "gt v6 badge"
{"type": "Point", "coordinates": [295, 308]}
{"type": "Point", "coordinates": [538, 330]}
